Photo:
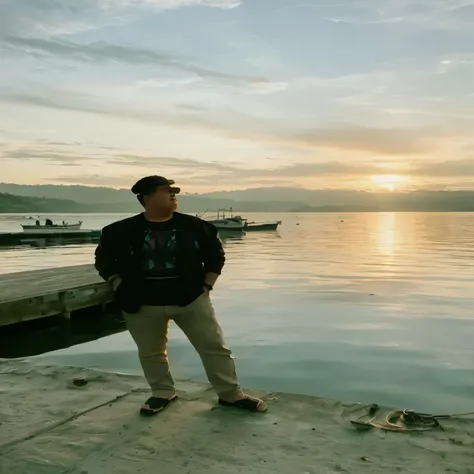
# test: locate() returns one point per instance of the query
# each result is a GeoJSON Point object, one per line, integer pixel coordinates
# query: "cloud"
{"type": "Point", "coordinates": [375, 81]}
{"type": "Point", "coordinates": [191, 107]}
{"type": "Point", "coordinates": [49, 152]}
{"type": "Point", "coordinates": [446, 169]}
{"type": "Point", "coordinates": [99, 53]}
{"type": "Point", "coordinates": [324, 168]}
{"type": "Point", "coordinates": [198, 173]}
{"type": "Point", "coordinates": [162, 82]}
{"type": "Point", "coordinates": [95, 180]}
{"type": "Point", "coordinates": [214, 169]}
{"type": "Point", "coordinates": [70, 17]}
{"type": "Point", "coordinates": [388, 141]}
{"type": "Point", "coordinates": [208, 171]}
{"type": "Point", "coordinates": [57, 17]}
{"type": "Point", "coordinates": [448, 186]}
{"type": "Point", "coordinates": [343, 137]}
{"type": "Point", "coordinates": [67, 101]}
{"type": "Point", "coordinates": [171, 162]}
{"type": "Point", "coordinates": [266, 87]}
{"type": "Point", "coordinates": [194, 170]}
{"type": "Point", "coordinates": [429, 14]}
{"type": "Point", "coordinates": [125, 181]}
{"type": "Point", "coordinates": [171, 4]}
{"type": "Point", "coordinates": [76, 154]}
{"type": "Point", "coordinates": [205, 172]}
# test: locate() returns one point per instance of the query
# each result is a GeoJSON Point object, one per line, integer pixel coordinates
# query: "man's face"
{"type": "Point", "coordinates": [161, 200]}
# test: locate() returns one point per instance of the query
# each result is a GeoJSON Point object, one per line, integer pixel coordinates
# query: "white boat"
{"type": "Point", "coordinates": [232, 223]}
{"type": "Point", "coordinates": [262, 226]}
{"type": "Point", "coordinates": [49, 227]}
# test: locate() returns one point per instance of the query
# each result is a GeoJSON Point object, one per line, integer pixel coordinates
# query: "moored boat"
{"type": "Point", "coordinates": [49, 227]}
{"type": "Point", "coordinates": [262, 226]}
{"type": "Point", "coordinates": [232, 223]}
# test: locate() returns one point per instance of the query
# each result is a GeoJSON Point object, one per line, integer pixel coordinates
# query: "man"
{"type": "Point", "coordinates": [162, 265]}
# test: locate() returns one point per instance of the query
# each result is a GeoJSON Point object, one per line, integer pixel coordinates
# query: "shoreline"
{"type": "Point", "coordinates": [48, 425]}
{"type": "Point", "coordinates": [295, 212]}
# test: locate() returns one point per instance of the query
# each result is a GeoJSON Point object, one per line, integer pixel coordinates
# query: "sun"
{"type": "Point", "coordinates": [389, 182]}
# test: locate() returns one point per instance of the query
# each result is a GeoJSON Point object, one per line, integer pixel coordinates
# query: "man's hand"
{"type": "Point", "coordinates": [115, 282]}
{"type": "Point", "coordinates": [209, 282]}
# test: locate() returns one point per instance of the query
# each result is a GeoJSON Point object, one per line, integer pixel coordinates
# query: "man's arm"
{"type": "Point", "coordinates": [214, 255]}
{"type": "Point", "coordinates": [106, 258]}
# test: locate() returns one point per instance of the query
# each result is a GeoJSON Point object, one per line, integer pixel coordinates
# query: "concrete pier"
{"type": "Point", "coordinates": [58, 420]}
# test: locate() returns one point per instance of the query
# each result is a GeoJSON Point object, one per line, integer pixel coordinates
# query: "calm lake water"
{"type": "Point", "coordinates": [358, 307]}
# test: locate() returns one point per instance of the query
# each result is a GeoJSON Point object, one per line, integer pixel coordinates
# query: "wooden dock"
{"type": "Point", "coordinates": [26, 296]}
{"type": "Point", "coordinates": [10, 239]}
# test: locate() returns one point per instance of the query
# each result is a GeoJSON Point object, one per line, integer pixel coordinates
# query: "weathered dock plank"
{"type": "Point", "coordinates": [27, 238]}
{"type": "Point", "coordinates": [40, 293]}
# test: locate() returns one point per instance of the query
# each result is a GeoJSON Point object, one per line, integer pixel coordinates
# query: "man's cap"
{"type": "Point", "coordinates": [149, 184]}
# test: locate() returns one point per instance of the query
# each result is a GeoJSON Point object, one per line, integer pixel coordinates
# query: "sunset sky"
{"type": "Point", "coordinates": [226, 94]}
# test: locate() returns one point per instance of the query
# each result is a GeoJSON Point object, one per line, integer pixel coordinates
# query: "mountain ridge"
{"type": "Point", "coordinates": [101, 199]}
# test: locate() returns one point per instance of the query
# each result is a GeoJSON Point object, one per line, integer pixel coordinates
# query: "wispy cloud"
{"type": "Point", "coordinates": [445, 169]}
{"type": "Point", "coordinates": [186, 164]}
{"type": "Point", "coordinates": [161, 82]}
{"type": "Point", "coordinates": [387, 141]}
{"type": "Point", "coordinates": [199, 172]}
{"type": "Point", "coordinates": [207, 89]}
{"type": "Point", "coordinates": [429, 14]}
{"type": "Point", "coordinates": [372, 140]}
{"type": "Point", "coordinates": [75, 154]}
{"type": "Point", "coordinates": [315, 169]}
{"type": "Point", "coordinates": [170, 4]}
{"type": "Point", "coordinates": [69, 17]}
{"type": "Point", "coordinates": [332, 173]}
{"type": "Point", "coordinates": [100, 53]}
{"type": "Point", "coordinates": [57, 17]}
{"type": "Point", "coordinates": [114, 181]}
{"type": "Point", "coordinates": [267, 87]}
{"type": "Point", "coordinates": [48, 152]}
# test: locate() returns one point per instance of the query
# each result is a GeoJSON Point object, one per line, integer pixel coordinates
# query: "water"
{"type": "Point", "coordinates": [358, 307]}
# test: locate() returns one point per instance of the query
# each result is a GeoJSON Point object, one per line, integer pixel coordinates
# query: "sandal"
{"type": "Point", "coordinates": [154, 405]}
{"type": "Point", "coordinates": [247, 403]}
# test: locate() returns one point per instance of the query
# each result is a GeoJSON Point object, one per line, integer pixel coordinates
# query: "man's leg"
{"type": "Point", "coordinates": [149, 329]}
{"type": "Point", "coordinates": [199, 323]}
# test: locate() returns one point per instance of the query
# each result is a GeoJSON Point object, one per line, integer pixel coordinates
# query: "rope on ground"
{"type": "Point", "coordinates": [403, 420]}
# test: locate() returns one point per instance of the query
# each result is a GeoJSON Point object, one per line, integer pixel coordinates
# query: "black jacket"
{"type": "Point", "coordinates": [118, 252]}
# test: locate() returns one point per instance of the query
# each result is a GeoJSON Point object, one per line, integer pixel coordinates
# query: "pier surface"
{"type": "Point", "coordinates": [51, 425]}
{"type": "Point", "coordinates": [9, 239]}
{"type": "Point", "coordinates": [29, 295]}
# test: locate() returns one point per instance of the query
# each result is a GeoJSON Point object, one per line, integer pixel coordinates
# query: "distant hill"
{"type": "Point", "coordinates": [338, 200]}
{"type": "Point", "coordinates": [310, 197]}
{"type": "Point", "coordinates": [51, 198]}
{"type": "Point", "coordinates": [97, 199]}
{"type": "Point", "coordinates": [270, 199]}
{"type": "Point", "coordinates": [79, 194]}
{"type": "Point", "coordinates": [21, 204]}
{"type": "Point", "coordinates": [10, 203]}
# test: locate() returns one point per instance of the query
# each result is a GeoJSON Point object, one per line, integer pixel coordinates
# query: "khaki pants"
{"type": "Point", "coordinates": [149, 329]}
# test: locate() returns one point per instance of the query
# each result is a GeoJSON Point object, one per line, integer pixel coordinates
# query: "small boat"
{"type": "Point", "coordinates": [262, 226]}
{"type": "Point", "coordinates": [238, 223]}
{"type": "Point", "coordinates": [49, 227]}
{"type": "Point", "coordinates": [232, 223]}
